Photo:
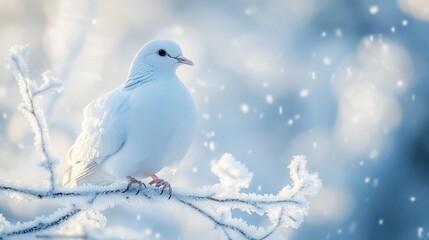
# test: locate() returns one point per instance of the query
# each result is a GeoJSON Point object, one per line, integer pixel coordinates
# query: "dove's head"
{"type": "Point", "coordinates": [161, 55]}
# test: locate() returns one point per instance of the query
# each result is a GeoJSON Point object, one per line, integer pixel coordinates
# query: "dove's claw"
{"type": "Point", "coordinates": [128, 187]}
{"type": "Point", "coordinates": [161, 183]}
{"type": "Point", "coordinates": [167, 185]}
{"type": "Point", "coordinates": [133, 180]}
{"type": "Point", "coordinates": [170, 191]}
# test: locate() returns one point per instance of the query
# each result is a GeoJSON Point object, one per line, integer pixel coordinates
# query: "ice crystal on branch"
{"type": "Point", "coordinates": [232, 174]}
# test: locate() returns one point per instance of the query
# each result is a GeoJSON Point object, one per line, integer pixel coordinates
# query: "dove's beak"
{"type": "Point", "coordinates": [182, 59]}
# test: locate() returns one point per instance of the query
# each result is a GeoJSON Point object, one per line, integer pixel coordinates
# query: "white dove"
{"type": "Point", "coordinates": [139, 128]}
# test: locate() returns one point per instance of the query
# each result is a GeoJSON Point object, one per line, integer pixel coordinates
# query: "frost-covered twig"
{"type": "Point", "coordinates": [215, 203]}
{"type": "Point", "coordinates": [30, 92]}
{"type": "Point", "coordinates": [39, 224]}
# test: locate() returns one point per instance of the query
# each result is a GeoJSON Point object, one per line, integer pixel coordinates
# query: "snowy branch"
{"type": "Point", "coordinates": [287, 208]}
{"type": "Point", "coordinates": [214, 203]}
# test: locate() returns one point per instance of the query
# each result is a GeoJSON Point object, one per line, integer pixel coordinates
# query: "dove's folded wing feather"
{"type": "Point", "coordinates": [103, 134]}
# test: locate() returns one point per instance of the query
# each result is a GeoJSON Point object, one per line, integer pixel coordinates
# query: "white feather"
{"type": "Point", "coordinates": [103, 134]}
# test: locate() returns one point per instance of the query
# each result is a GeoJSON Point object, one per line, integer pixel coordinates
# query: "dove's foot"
{"type": "Point", "coordinates": [133, 180]}
{"type": "Point", "coordinates": [161, 183]}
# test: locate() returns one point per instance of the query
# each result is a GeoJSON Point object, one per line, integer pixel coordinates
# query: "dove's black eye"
{"type": "Point", "coordinates": [162, 52]}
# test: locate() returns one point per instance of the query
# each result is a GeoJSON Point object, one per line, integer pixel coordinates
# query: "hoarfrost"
{"type": "Point", "coordinates": [232, 174]}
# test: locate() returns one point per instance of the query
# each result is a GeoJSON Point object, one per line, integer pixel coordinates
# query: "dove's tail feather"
{"type": "Point", "coordinates": [78, 174]}
{"type": "Point", "coordinates": [67, 178]}
{"type": "Point", "coordinates": [94, 178]}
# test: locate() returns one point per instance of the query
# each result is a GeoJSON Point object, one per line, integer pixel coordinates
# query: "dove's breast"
{"type": "Point", "coordinates": [161, 125]}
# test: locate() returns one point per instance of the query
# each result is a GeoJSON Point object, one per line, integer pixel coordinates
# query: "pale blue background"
{"type": "Point", "coordinates": [312, 80]}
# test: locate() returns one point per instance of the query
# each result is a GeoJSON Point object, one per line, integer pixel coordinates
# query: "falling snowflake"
{"type": "Point", "coordinates": [373, 10]}
{"type": "Point", "coordinates": [244, 108]}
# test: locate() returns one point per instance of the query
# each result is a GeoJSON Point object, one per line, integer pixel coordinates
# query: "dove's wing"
{"type": "Point", "coordinates": [103, 134]}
